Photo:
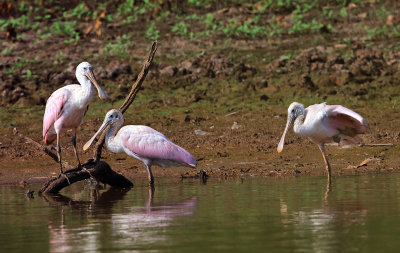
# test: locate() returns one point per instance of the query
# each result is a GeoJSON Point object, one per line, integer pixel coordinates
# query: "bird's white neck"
{"type": "Point", "coordinates": [298, 127]}
{"type": "Point", "coordinates": [113, 143]}
{"type": "Point", "coordinates": [87, 89]}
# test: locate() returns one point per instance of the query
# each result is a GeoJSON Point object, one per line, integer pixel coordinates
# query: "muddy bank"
{"type": "Point", "coordinates": [220, 90]}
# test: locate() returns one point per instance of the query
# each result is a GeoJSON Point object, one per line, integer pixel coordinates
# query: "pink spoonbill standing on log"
{"type": "Point", "coordinates": [67, 106]}
{"type": "Point", "coordinates": [142, 143]}
{"type": "Point", "coordinates": [323, 123]}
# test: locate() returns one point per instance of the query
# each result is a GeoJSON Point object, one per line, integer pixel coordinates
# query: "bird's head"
{"type": "Point", "coordinates": [113, 118]}
{"type": "Point", "coordinates": [295, 110]}
{"type": "Point", "coordinates": [85, 70]}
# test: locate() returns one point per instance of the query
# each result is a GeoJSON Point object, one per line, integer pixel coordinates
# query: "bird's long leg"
{"type": "Point", "coordinates": [150, 175]}
{"type": "Point", "coordinates": [328, 167]}
{"type": "Point", "coordinates": [328, 189]}
{"type": "Point", "coordinates": [75, 151]}
{"type": "Point", "coordinates": [76, 154]}
{"type": "Point", "coordinates": [59, 158]}
{"type": "Point", "coordinates": [59, 153]}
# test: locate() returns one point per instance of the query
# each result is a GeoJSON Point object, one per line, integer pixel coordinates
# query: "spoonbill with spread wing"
{"type": "Point", "coordinates": [323, 123]}
{"type": "Point", "coordinates": [142, 143]}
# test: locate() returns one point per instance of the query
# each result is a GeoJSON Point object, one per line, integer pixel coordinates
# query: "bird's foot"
{"type": "Point", "coordinates": [87, 171]}
{"type": "Point", "coordinates": [62, 174]}
{"type": "Point", "coordinates": [80, 167]}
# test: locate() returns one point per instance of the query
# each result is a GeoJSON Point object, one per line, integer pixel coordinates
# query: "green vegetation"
{"type": "Point", "coordinates": [270, 19]}
{"type": "Point", "coordinates": [118, 47]}
{"type": "Point", "coordinates": [152, 32]}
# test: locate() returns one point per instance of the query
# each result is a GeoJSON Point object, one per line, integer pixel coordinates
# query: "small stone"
{"type": "Point", "coordinates": [235, 126]}
{"type": "Point", "coordinates": [200, 132]}
{"type": "Point", "coordinates": [169, 71]}
{"type": "Point", "coordinates": [264, 97]}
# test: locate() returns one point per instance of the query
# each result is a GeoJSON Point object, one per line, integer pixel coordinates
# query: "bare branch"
{"type": "Point", "coordinates": [131, 96]}
{"type": "Point", "coordinates": [44, 148]}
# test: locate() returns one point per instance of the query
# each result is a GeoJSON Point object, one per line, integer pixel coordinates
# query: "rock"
{"type": "Point", "coordinates": [61, 77]}
{"type": "Point", "coordinates": [362, 15]}
{"type": "Point", "coordinates": [116, 68]}
{"type": "Point", "coordinates": [390, 19]}
{"type": "Point", "coordinates": [37, 99]}
{"type": "Point", "coordinates": [183, 71]}
{"type": "Point", "coordinates": [305, 81]}
{"type": "Point", "coordinates": [200, 132]}
{"type": "Point", "coordinates": [262, 84]}
{"type": "Point", "coordinates": [169, 71]}
{"type": "Point", "coordinates": [334, 59]}
{"type": "Point", "coordinates": [340, 46]}
{"type": "Point", "coordinates": [186, 64]}
{"type": "Point", "coordinates": [264, 97]}
{"type": "Point", "coordinates": [360, 92]}
{"type": "Point", "coordinates": [100, 72]}
{"type": "Point", "coordinates": [193, 98]}
{"type": "Point", "coordinates": [342, 77]}
{"type": "Point", "coordinates": [235, 126]}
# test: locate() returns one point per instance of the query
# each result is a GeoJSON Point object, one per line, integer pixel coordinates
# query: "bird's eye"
{"type": "Point", "coordinates": [111, 116]}
{"type": "Point", "coordinates": [116, 116]}
{"type": "Point", "coordinates": [85, 68]}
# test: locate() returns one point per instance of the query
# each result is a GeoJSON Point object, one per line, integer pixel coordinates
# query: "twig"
{"type": "Point", "coordinates": [376, 144]}
{"type": "Point", "coordinates": [131, 96]}
{"type": "Point", "coordinates": [45, 149]}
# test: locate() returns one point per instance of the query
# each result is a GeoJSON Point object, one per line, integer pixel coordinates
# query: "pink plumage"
{"type": "Point", "coordinates": [346, 120]}
{"type": "Point", "coordinates": [147, 143]}
{"type": "Point", "coordinates": [142, 143]}
{"type": "Point", "coordinates": [323, 123]}
{"type": "Point", "coordinates": [53, 111]}
{"type": "Point", "coordinates": [67, 106]}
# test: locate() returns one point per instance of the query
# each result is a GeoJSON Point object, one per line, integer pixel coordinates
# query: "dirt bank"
{"type": "Point", "coordinates": [218, 90]}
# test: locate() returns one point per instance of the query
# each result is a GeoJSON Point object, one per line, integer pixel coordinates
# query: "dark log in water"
{"type": "Point", "coordinates": [100, 170]}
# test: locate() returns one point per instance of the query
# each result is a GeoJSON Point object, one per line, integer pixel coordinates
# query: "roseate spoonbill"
{"type": "Point", "coordinates": [323, 123]}
{"type": "Point", "coordinates": [67, 106]}
{"type": "Point", "coordinates": [142, 143]}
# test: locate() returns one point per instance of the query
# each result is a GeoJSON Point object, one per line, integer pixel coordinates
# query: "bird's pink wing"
{"type": "Point", "coordinates": [54, 109]}
{"type": "Point", "coordinates": [346, 121]}
{"type": "Point", "coordinates": [148, 143]}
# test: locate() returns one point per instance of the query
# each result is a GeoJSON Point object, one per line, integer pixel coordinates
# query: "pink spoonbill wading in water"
{"type": "Point", "coordinates": [142, 143]}
{"type": "Point", "coordinates": [323, 123]}
{"type": "Point", "coordinates": [67, 106]}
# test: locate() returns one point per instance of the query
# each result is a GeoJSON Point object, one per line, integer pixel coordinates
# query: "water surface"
{"type": "Point", "coordinates": [360, 213]}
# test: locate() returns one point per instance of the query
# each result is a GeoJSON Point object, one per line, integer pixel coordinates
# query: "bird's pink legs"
{"type": "Point", "coordinates": [328, 167]}
{"type": "Point", "coordinates": [150, 175]}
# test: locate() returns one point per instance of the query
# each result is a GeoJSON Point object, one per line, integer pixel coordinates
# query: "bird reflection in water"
{"type": "Point", "coordinates": [84, 225]}
{"type": "Point", "coordinates": [317, 226]}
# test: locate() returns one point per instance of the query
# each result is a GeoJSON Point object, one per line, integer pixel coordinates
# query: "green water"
{"type": "Point", "coordinates": [359, 214]}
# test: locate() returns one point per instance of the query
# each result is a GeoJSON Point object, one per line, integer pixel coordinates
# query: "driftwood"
{"type": "Point", "coordinates": [100, 170]}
